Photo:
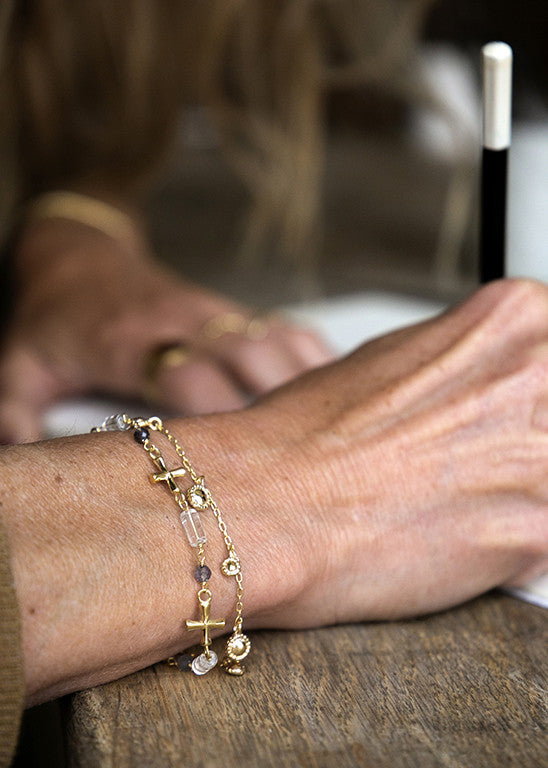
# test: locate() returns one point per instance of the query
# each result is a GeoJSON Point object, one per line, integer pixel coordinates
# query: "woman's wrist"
{"type": "Point", "coordinates": [55, 234]}
{"type": "Point", "coordinates": [114, 220]}
{"type": "Point", "coordinates": [102, 567]}
{"type": "Point", "coordinates": [259, 477]}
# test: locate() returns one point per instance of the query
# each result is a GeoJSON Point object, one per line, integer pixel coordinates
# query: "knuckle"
{"type": "Point", "coordinates": [509, 315]}
{"type": "Point", "coordinates": [523, 300]}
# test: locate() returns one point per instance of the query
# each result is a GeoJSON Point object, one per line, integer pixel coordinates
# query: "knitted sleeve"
{"type": "Point", "coordinates": [11, 659]}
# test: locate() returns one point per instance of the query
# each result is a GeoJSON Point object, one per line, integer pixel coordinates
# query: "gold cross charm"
{"type": "Point", "coordinates": [206, 624]}
{"type": "Point", "coordinates": [166, 476]}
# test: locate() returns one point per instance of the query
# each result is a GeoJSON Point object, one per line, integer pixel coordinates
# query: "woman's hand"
{"type": "Point", "coordinates": [405, 479]}
{"type": "Point", "coordinates": [417, 469]}
{"type": "Point", "coordinates": [90, 311]}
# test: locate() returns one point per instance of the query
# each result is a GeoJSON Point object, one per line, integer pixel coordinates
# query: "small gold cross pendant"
{"type": "Point", "coordinates": [167, 476]}
{"type": "Point", "coordinates": [206, 624]}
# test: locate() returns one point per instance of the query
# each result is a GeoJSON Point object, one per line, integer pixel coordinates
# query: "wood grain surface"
{"type": "Point", "coordinates": [465, 688]}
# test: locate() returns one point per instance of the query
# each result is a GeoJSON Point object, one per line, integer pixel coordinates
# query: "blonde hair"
{"type": "Point", "coordinates": [92, 92]}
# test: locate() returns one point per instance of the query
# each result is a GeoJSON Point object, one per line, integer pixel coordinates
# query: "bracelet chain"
{"type": "Point", "coordinates": [197, 497]}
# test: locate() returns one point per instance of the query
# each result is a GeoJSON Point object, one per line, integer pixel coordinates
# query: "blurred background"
{"type": "Point", "coordinates": [399, 183]}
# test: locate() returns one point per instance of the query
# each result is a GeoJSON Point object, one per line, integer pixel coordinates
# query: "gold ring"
{"type": "Point", "coordinates": [255, 328]}
{"type": "Point", "coordinates": [171, 355]}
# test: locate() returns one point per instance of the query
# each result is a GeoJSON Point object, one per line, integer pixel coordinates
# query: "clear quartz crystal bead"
{"type": "Point", "coordinates": [115, 423]}
{"type": "Point", "coordinates": [202, 664]}
{"type": "Point", "coordinates": [193, 527]}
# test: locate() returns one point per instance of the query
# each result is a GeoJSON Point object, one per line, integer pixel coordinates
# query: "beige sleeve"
{"type": "Point", "coordinates": [12, 682]}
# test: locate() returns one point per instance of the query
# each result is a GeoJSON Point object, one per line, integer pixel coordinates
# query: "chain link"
{"type": "Point", "coordinates": [190, 469]}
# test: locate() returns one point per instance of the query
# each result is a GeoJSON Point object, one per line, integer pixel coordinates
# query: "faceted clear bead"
{"type": "Point", "coordinates": [115, 423]}
{"type": "Point", "coordinates": [202, 664]}
{"type": "Point", "coordinates": [193, 527]}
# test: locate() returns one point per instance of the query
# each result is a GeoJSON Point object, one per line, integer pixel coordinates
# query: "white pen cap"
{"type": "Point", "coordinates": [497, 95]}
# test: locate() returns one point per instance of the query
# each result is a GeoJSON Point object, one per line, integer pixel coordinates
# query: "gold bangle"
{"type": "Point", "coordinates": [85, 210]}
{"type": "Point", "coordinates": [191, 501]}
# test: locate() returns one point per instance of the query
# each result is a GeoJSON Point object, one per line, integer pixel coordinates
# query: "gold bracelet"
{"type": "Point", "coordinates": [85, 210]}
{"type": "Point", "coordinates": [196, 497]}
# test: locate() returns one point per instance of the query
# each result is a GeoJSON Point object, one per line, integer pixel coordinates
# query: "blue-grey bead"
{"type": "Point", "coordinates": [202, 573]}
{"type": "Point", "coordinates": [141, 435]}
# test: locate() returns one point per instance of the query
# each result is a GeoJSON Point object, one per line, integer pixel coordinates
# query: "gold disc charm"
{"type": "Point", "coordinates": [235, 670]}
{"type": "Point", "coordinates": [198, 495]}
{"type": "Point", "coordinates": [238, 647]}
{"type": "Point", "coordinates": [231, 566]}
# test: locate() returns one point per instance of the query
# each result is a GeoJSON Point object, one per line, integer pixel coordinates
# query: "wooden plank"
{"type": "Point", "coordinates": [463, 688]}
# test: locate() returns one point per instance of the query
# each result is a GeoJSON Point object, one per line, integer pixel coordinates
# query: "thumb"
{"type": "Point", "coordinates": [20, 422]}
{"type": "Point", "coordinates": [27, 387]}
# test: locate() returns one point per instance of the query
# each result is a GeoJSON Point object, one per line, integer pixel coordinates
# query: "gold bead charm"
{"type": "Point", "coordinates": [231, 566]}
{"type": "Point", "coordinates": [235, 670]}
{"type": "Point", "coordinates": [238, 647]}
{"type": "Point", "coordinates": [198, 495]}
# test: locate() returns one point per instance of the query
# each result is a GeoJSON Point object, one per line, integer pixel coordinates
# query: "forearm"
{"type": "Point", "coordinates": [402, 480]}
{"type": "Point", "coordinates": [103, 570]}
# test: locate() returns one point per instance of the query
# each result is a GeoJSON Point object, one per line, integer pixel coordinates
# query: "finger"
{"type": "Point", "coordinates": [263, 364]}
{"type": "Point", "coordinates": [259, 366]}
{"type": "Point", "coordinates": [309, 349]}
{"type": "Point", "coordinates": [198, 386]}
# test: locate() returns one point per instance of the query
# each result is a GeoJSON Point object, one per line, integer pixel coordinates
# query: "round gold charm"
{"type": "Point", "coordinates": [238, 647]}
{"type": "Point", "coordinates": [198, 495]}
{"type": "Point", "coordinates": [231, 566]}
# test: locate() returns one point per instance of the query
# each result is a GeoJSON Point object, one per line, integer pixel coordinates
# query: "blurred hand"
{"type": "Point", "coordinates": [89, 312]}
